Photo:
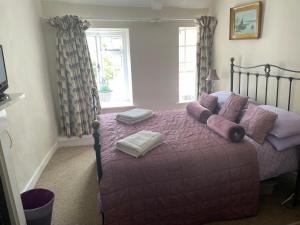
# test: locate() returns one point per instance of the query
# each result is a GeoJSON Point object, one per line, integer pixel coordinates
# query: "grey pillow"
{"type": "Point", "coordinates": [287, 124]}
{"type": "Point", "coordinates": [284, 143]}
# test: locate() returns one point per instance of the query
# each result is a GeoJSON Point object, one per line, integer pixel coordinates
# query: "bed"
{"type": "Point", "coordinates": [195, 176]}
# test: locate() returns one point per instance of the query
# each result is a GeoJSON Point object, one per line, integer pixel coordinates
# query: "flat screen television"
{"type": "Point", "coordinates": [3, 75]}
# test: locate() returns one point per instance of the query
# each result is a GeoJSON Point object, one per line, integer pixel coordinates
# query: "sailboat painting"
{"type": "Point", "coordinates": [245, 21]}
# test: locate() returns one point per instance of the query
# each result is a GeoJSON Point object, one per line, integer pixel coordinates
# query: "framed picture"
{"type": "Point", "coordinates": [245, 21]}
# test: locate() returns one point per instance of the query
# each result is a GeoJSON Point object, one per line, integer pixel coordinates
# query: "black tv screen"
{"type": "Point", "coordinates": [3, 75]}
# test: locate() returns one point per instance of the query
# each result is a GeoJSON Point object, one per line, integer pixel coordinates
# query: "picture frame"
{"type": "Point", "coordinates": [245, 21]}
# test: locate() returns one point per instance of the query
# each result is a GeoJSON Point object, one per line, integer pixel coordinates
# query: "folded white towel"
{"type": "Point", "coordinates": [134, 115]}
{"type": "Point", "coordinates": [140, 143]}
{"type": "Point", "coordinates": [133, 121]}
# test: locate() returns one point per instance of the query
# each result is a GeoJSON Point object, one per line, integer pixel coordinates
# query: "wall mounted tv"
{"type": "Point", "coordinates": [3, 75]}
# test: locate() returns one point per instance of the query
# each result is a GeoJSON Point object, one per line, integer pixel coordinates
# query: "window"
{"type": "Point", "coordinates": [187, 63]}
{"type": "Point", "coordinates": [109, 49]}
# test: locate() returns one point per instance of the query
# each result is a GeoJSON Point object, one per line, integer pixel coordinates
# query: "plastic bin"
{"type": "Point", "coordinates": [38, 205]}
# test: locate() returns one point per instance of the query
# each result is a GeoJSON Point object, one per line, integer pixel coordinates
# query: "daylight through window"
{"type": "Point", "coordinates": [187, 63]}
{"type": "Point", "coordinates": [109, 49]}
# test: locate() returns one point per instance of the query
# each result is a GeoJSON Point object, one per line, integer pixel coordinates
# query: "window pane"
{"type": "Point", "coordinates": [181, 54]}
{"type": "Point", "coordinates": [117, 43]}
{"type": "Point", "coordinates": [181, 36]}
{"type": "Point", "coordinates": [187, 63]}
{"type": "Point", "coordinates": [111, 65]}
{"type": "Point", "coordinates": [191, 36]}
{"type": "Point", "coordinates": [93, 52]}
{"type": "Point", "coordinates": [111, 43]}
{"type": "Point", "coordinates": [187, 86]}
{"type": "Point", "coordinates": [190, 67]}
{"type": "Point", "coordinates": [181, 67]}
{"type": "Point", "coordinates": [190, 54]}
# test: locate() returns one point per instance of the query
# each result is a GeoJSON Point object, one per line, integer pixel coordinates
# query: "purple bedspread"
{"type": "Point", "coordinates": [194, 177]}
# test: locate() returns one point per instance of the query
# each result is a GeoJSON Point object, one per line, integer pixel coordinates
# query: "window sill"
{"type": "Point", "coordinates": [182, 103]}
{"type": "Point", "coordinates": [118, 106]}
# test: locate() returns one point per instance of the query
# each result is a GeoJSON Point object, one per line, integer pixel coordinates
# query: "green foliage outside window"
{"type": "Point", "coordinates": [108, 75]}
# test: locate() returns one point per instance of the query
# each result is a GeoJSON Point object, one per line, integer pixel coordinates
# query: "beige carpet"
{"type": "Point", "coordinates": [71, 174]}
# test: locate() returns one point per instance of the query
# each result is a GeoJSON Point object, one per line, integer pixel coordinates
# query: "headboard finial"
{"type": "Point", "coordinates": [267, 69]}
{"type": "Point", "coordinates": [232, 60]}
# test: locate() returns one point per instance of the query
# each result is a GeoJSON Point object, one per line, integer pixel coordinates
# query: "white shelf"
{"type": "Point", "coordinates": [13, 98]}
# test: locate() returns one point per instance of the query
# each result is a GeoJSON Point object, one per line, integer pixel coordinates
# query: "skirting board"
{"type": "Point", "coordinates": [38, 172]}
{"type": "Point", "coordinates": [86, 140]}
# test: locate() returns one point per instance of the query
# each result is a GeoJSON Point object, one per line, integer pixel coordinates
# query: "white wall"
{"type": "Point", "coordinates": [31, 121]}
{"type": "Point", "coordinates": [153, 47]}
{"type": "Point", "coordinates": [279, 43]}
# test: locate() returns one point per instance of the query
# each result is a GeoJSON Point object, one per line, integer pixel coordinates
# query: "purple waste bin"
{"type": "Point", "coordinates": [38, 204]}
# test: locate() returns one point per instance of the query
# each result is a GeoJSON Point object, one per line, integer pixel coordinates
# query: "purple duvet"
{"type": "Point", "coordinates": [194, 177]}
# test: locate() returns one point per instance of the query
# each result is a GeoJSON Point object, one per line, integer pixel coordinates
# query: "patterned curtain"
{"type": "Point", "coordinates": [206, 28]}
{"type": "Point", "coordinates": [75, 76]}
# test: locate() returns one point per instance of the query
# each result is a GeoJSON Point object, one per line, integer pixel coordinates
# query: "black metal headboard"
{"type": "Point", "coordinates": [248, 71]}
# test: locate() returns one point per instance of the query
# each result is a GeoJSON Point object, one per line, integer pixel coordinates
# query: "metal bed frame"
{"type": "Point", "coordinates": [247, 71]}
{"type": "Point", "coordinates": [234, 70]}
{"type": "Point", "coordinates": [267, 68]}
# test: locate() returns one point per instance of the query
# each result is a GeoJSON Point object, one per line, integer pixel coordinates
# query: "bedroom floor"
{"type": "Point", "coordinates": [71, 174]}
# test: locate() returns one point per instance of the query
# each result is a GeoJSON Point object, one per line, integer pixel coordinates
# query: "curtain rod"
{"type": "Point", "coordinates": [151, 20]}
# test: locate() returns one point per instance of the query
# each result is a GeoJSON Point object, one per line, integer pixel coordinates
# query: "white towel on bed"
{"type": "Point", "coordinates": [140, 143]}
{"type": "Point", "coordinates": [134, 116]}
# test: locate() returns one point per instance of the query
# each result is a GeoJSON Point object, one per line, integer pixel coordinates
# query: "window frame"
{"type": "Point", "coordinates": [180, 100]}
{"type": "Point", "coordinates": [97, 33]}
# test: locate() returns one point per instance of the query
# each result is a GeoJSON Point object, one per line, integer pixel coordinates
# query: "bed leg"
{"type": "Point", "coordinates": [102, 216]}
{"type": "Point", "coordinates": [97, 148]}
{"type": "Point", "coordinates": [296, 200]}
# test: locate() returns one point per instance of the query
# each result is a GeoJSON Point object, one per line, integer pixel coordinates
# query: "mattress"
{"type": "Point", "coordinates": [273, 163]}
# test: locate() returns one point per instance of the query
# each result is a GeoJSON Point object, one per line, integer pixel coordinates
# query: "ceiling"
{"type": "Point", "coordinates": [154, 4]}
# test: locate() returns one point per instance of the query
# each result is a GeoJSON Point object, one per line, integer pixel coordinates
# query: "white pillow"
{"type": "Point", "coordinates": [284, 143]}
{"type": "Point", "coordinates": [287, 124]}
{"type": "Point", "coordinates": [222, 96]}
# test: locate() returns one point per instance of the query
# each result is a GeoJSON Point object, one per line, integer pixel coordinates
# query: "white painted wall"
{"type": "Point", "coordinates": [153, 48]}
{"type": "Point", "coordinates": [279, 43]}
{"type": "Point", "coordinates": [31, 121]}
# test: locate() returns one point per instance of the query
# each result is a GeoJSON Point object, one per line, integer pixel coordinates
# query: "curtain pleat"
{"type": "Point", "coordinates": [206, 27]}
{"type": "Point", "coordinates": [75, 76]}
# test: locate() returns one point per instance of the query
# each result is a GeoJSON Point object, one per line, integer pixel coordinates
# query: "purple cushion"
{"type": "Point", "coordinates": [226, 128]}
{"type": "Point", "coordinates": [197, 111]}
{"type": "Point", "coordinates": [287, 124]}
{"type": "Point", "coordinates": [284, 143]}
{"type": "Point", "coordinates": [233, 107]}
{"type": "Point", "coordinates": [258, 122]}
{"type": "Point", "coordinates": [208, 101]}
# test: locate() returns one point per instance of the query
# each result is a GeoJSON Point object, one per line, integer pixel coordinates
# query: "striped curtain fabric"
{"type": "Point", "coordinates": [206, 27]}
{"type": "Point", "coordinates": [75, 76]}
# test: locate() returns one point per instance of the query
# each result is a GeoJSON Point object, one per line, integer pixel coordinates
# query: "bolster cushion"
{"type": "Point", "coordinates": [197, 111]}
{"type": "Point", "coordinates": [226, 128]}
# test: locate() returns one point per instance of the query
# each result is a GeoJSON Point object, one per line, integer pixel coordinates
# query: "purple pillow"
{"type": "Point", "coordinates": [284, 143]}
{"type": "Point", "coordinates": [287, 124]}
{"type": "Point", "coordinates": [208, 101]}
{"type": "Point", "coordinates": [226, 128]}
{"type": "Point", "coordinates": [258, 122]}
{"type": "Point", "coordinates": [233, 107]}
{"type": "Point", "coordinates": [197, 111]}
